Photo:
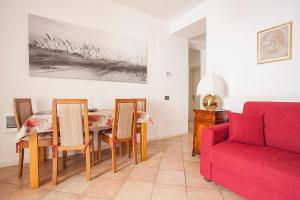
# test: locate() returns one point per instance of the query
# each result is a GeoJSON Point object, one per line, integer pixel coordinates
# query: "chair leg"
{"type": "Point", "coordinates": [93, 149]}
{"type": "Point", "coordinates": [113, 157]}
{"type": "Point", "coordinates": [121, 149]}
{"type": "Point", "coordinates": [65, 156]}
{"type": "Point", "coordinates": [134, 149]}
{"type": "Point", "coordinates": [99, 148]}
{"type": "Point", "coordinates": [21, 160]}
{"type": "Point", "coordinates": [141, 138]}
{"type": "Point", "coordinates": [88, 163]}
{"type": "Point", "coordinates": [128, 149]}
{"type": "Point", "coordinates": [54, 167]}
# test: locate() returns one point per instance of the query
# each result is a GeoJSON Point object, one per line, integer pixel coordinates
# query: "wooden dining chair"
{"type": "Point", "coordinates": [141, 106]}
{"type": "Point", "coordinates": [70, 123]}
{"type": "Point", "coordinates": [123, 129]}
{"type": "Point", "coordinates": [22, 111]}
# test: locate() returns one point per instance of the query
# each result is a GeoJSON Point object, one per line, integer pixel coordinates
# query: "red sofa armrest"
{"type": "Point", "coordinates": [210, 137]}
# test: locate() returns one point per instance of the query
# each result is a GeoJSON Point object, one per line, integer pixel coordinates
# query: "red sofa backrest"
{"type": "Point", "coordinates": [281, 123]}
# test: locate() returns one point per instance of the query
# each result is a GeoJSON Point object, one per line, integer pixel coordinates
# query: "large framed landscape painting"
{"type": "Point", "coordinates": [62, 50]}
{"type": "Point", "coordinates": [274, 44]}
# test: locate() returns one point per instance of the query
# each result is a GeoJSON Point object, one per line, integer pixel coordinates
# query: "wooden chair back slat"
{"type": "Point", "coordinates": [70, 124]}
{"type": "Point", "coordinates": [125, 118]}
{"type": "Point", "coordinates": [22, 111]}
{"type": "Point", "coordinates": [70, 120]}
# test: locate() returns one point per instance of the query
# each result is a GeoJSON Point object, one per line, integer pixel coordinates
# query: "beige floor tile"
{"type": "Point", "coordinates": [75, 185]}
{"type": "Point", "coordinates": [169, 192]}
{"type": "Point", "coordinates": [27, 194]}
{"type": "Point", "coordinates": [194, 179]}
{"type": "Point", "coordinates": [103, 188]}
{"type": "Point", "coordinates": [171, 163]}
{"type": "Point", "coordinates": [172, 153]}
{"type": "Point", "coordinates": [203, 194]}
{"type": "Point", "coordinates": [54, 195]}
{"type": "Point", "coordinates": [16, 180]}
{"type": "Point", "coordinates": [151, 162]}
{"type": "Point", "coordinates": [228, 195]}
{"type": "Point", "coordinates": [176, 149]}
{"type": "Point", "coordinates": [154, 155]}
{"type": "Point", "coordinates": [188, 156]}
{"type": "Point", "coordinates": [156, 142]}
{"type": "Point", "coordinates": [169, 167]}
{"type": "Point", "coordinates": [191, 166]}
{"type": "Point", "coordinates": [187, 148]}
{"type": "Point", "coordinates": [6, 189]}
{"type": "Point", "coordinates": [170, 177]}
{"type": "Point", "coordinates": [187, 137]}
{"type": "Point", "coordinates": [176, 138]}
{"type": "Point", "coordinates": [122, 173]}
{"type": "Point", "coordinates": [173, 143]}
{"type": "Point", "coordinates": [158, 147]}
{"type": "Point", "coordinates": [135, 190]}
{"type": "Point", "coordinates": [83, 197]}
{"type": "Point", "coordinates": [7, 172]}
{"type": "Point", "coordinates": [143, 174]}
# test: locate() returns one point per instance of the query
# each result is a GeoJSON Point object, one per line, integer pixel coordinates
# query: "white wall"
{"type": "Point", "coordinates": [165, 53]}
{"type": "Point", "coordinates": [231, 48]}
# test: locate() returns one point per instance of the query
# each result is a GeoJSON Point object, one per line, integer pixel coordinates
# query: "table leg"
{"type": "Point", "coordinates": [34, 161]}
{"type": "Point", "coordinates": [144, 141]}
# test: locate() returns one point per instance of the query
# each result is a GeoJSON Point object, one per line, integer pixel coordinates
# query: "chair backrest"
{"type": "Point", "coordinates": [124, 125]}
{"type": "Point", "coordinates": [141, 104]}
{"type": "Point", "coordinates": [70, 120]}
{"type": "Point", "coordinates": [22, 111]}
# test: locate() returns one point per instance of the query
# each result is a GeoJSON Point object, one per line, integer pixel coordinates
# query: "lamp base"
{"type": "Point", "coordinates": [210, 102]}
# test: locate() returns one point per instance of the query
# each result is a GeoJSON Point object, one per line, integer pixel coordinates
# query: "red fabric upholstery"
{"type": "Point", "coordinates": [282, 123]}
{"type": "Point", "coordinates": [211, 136]}
{"type": "Point", "coordinates": [246, 128]}
{"type": "Point", "coordinates": [257, 172]}
{"type": "Point", "coordinates": [270, 172]}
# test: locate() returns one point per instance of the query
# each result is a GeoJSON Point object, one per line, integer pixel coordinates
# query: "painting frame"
{"type": "Point", "coordinates": [289, 26]}
{"type": "Point", "coordinates": [59, 49]}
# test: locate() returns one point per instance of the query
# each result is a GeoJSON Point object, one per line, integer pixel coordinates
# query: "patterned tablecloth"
{"type": "Point", "coordinates": [42, 122]}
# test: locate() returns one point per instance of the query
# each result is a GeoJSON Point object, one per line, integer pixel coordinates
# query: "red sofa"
{"type": "Point", "coordinates": [257, 172]}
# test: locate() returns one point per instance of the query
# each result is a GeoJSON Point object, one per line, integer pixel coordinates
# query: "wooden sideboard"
{"type": "Point", "coordinates": [203, 119]}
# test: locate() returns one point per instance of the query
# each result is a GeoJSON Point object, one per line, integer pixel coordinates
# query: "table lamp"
{"type": "Point", "coordinates": [211, 86]}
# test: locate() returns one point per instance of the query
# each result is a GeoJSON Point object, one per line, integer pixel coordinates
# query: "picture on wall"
{"type": "Point", "coordinates": [62, 50]}
{"type": "Point", "coordinates": [274, 44]}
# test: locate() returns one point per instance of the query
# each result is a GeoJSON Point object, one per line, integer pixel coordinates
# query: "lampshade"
{"type": "Point", "coordinates": [211, 84]}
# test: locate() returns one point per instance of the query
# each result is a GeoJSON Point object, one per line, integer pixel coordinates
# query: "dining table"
{"type": "Point", "coordinates": [39, 126]}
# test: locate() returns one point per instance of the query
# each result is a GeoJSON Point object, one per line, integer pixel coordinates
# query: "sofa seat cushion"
{"type": "Point", "coordinates": [269, 166]}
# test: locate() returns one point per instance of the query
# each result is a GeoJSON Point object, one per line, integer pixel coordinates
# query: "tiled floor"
{"type": "Point", "coordinates": [169, 173]}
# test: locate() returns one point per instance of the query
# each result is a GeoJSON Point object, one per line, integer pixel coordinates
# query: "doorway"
{"type": "Point", "coordinates": [194, 78]}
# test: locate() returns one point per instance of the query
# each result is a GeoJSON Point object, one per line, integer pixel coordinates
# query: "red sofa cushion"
{"type": "Point", "coordinates": [281, 123]}
{"type": "Point", "coordinates": [276, 169]}
{"type": "Point", "coordinates": [246, 128]}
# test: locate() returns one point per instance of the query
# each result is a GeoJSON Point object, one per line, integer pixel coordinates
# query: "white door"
{"type": "Point", "coordinates": [194, 99]}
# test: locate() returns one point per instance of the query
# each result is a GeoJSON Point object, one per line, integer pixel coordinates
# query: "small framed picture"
{"type": "Point", "coordinates": [275, 44]}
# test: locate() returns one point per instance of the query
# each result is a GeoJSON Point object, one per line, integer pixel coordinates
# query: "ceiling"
{"type": "Point", "coordinates": [164, 9]}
